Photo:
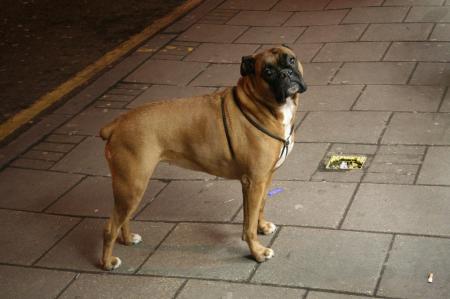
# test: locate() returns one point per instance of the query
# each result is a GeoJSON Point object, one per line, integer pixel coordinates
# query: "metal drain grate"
{"type": "Point", "coordinates": [345, 162]}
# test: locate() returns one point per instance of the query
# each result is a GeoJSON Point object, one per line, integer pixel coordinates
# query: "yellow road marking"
{"type": "Point", "coordinates": [25, 115]}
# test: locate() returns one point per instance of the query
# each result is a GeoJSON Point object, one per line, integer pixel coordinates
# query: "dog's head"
{"type": "Point", "coordinates": [276, 74]}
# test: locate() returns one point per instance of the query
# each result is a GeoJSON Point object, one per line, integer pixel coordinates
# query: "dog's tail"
{"type": "Point", "coordinates": [107, 130]}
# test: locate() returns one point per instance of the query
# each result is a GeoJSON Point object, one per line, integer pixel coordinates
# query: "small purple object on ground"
{"type": "Point", "coordinates": [275, 191]}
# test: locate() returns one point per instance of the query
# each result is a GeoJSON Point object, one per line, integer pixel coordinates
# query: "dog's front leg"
{"type": "Point", "coordinates": [265, 227]}
{"type": "Point", "coordinates": [253, 193]}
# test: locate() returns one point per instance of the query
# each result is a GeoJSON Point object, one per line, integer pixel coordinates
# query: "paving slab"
{"type": "Point", "coordinates": [400, 208]}
{"type": "Point", "coordinates": [374, 73]}
{"type": "Point", "coordinates": [88, 158]}
{"type": "Point", "coordinates": [93, 197]}
{"type": "Point", "coordinates": [260, 18]}
{"type": "Point", "coordinates": [90, 121]}
{"type": "Point", "coordinates": [33, 190]}
{"type": "Point", "coordinates": [321, 295]}
{"type": "Point", "coordinates": [195, 201]}
{"type": "Point", "coordinates": [81, 249]}
{"type": "Point", "coordinates": [418, 128]}
{"type": "Point", "coordinates": [294, 5]}
{"type": "Point", "coordinates": [310, 18]}
{"type": "Point", "coordinates": [212, 33]}
{"type": "Point", "coordinates": [326, 259]}
{"type": "Point", "coordinates": [431, 73]}
{"type": "Point", "coordinates": [409, 263]}
{"type": "Point", "coordinates": [376, 15]}
{"type": "Point", "coordinates": [24, 282]}
{"type": "Point", "coordinates": [413, 2]}
{"type": "Point", "coordinates": [221, 53]}
{"type": "Point", "coordinates": [445, 107]}
{"type": "Point", "coordinates": [429, 14]}
{"type": "Point", "coordinates": [43, 155]}
{"type": "Point", "coordinates": [332, 33]}
{"type": "Point", "coordinates": [334, 4]}
{"type": "Point", "coordinates": [329, 98]}
{"type": "Point", "coordinates": [38, 233]}
{"type": "Point", "coordinates": [213, 289]}
{"type": "Point", "coordinates": [302, 162]}
{"type": "Point", "coordinates": [352, 51]}
{"type": "Point", "coordinates": [162, 72]}
{"type": "Point", "coordinates": [53, 147]}
{"type": "Point", "coordinates": [398, 32]}
{"type": "Point", "coordinates": [218, 75]}
{"type": "Point", "coordinates": [319, 73]}
{"type": "Point", "coordinates": [270, 35]}
{"type": "Point", "coordinates": [400, 98]}
{"type": "Point", "coordinates": [64, 138]}
{"type": "Point", "coordinates": [246, 5]}
{"type": "Point", "coordinates": [436, 167]}
{"type": "Point", "coordinates": [342, 126]}
{"type": "Point", "coordinates": [305, 52]}
{"type": "Point", "coordinates": [203, 250]}
{"type": "Point", "coordinates": [418, 51]}
{"type": "Point", "coordinates": [117, 286]}
{"type": "Point", "coordinates": [317, 204]}
{"type": "Point", "coordinates": [441, 32]}
{"type": "Point", "coordinates": [32, 164]}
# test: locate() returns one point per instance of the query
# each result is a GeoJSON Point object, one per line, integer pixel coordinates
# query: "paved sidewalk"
{"type": "Point", "coordinates": [378, 74]}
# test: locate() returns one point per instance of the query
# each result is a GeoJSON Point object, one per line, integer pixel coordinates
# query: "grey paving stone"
{"type": "Point", "coordinates": [42, 155]}
{"type": "Point", "coordinates": [409, 263]}
{"type": "Point", "coordinates": [221, 53]}
{"type": "Point", "coordinates": [398, 32]}
{"type": "Point", "coordinates": [195, 201]}
{"type": "Point", "coordinates": [326, 259]}
{"type": "Point", "coordinates": [163, 72]}
{"type": "Point", "coordinates": [374, 73]}
{"type": "Point", "coordinates": [117, 286]}
{"type": "Point", "coordinates": [429, 14]}
{"type": "Point", "coordinates": [318, 204]}
{"type": "Point", "coordinates": [441, 32]}
{"type": "Point", "coordinates": [81, 249]}
{"type": "Point", "coordinates": [20, 282]}
{"type": "Point", "coordinates": [400, 98]}
{"type": "Point", "coordinates": [309, 18]}
{"type": "Point", "coordinates": [338, 176]}
{"type": "Point", "coordinates": [436, 167]}
{"type": "Point", "coordinates": [341, 126]}
{"type": "Point", "coordinates": [88, 157]}
{"type": "Point", "coordinates": [418, 128]}
{"type": "Point", "coordinates": [260, 18]}
{"type": "Point", "coordinates": [319, 73]}
{"type": "Point", "coordinates": [330, 97]}
{"type": "Point", "coordinates": [27, 236]}
{"type": "Point", "coordinates": [33, 190]}
{"type": "Point", "coordinates": [431, 73]}
{"type": "Point", "coordinates": [53, 147]}
{"type": "Point", "coordinates": [218, 75]}
{"type": "Point", "coordinates": [332, 33]}
{"type": "Point", "coordinates": [167, 92]}
{"type": "Point", "coordinates": [404, 151]}
{"type": "Point", "coordinates": [32, 164]}
{"type": "Point", "coordinates": [413, 2]}
{"type": "Point", "coordinates": [305, 52]}
{"type": "Point", "coordinates": [203, 250]}
{"type": "Point", "coordinates": [394, 168]}
{"type": "Point", "coordinates": [445, 107]}
{"type": "Point", "coordinates": [418, 51]}
{"type": "Point", "coordinates": [400, 208]}
{"type": "Point", "coordinates": [302, 161]}
{"type": "Point", "coordinates": [214, 289]}
{"type": "Point", "coordinates": [246, 5]}
{"type": "Point", "coordinates": [212, 33]}
{"type": "Point", "coordinates": [294, 5]}
{"type": "Point", "coordinates": [90, 121]}
{"type": "Point", "coordinates": [320, 295]}
{"type": "Point", "coordinates": [171, 172]}
{"type": "Point", "coordinates": [353, 3]}
{"type": "Point", "coordinates": [388, 178]}
{"type": "Point", "coordinates": [110, 104]}
{"type": "Point", "coordinates": [270, 35]}
{"type": "Point", "coordinates": [64, 138]}
{"type": "Point", "coordinates": [116, 98]}
{"type": "Point", "coordinates": [94, 197]}
{"type": "Point", "coordinates": [346, 148]}
{"type": "Point", "coordinates": [352, 51]}
{"type": "Point", "coordinates": [376, 15]}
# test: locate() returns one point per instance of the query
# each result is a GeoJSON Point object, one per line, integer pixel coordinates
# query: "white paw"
{"type": "Point", "coordinates": [116, 264]}
{"type": "Point", "coordinates": [269, 253]}
{"type": "Point", "coordinates": [136, 239]}
{"type": "Point", "coordinates": [273, 228]}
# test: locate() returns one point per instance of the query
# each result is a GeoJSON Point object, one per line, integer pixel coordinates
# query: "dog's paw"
{"type": "Point", "coordinates": [267, 228]}
{"type": "Point", "coordinates": [115, 263]}
{"type": "Point", "coordinates": [136, 239]}
{"type": "Point", "coordinates": [266, 254]}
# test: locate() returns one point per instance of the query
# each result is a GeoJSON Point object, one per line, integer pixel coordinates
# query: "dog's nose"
{"type": "Point", "coordinates": [287, 73]}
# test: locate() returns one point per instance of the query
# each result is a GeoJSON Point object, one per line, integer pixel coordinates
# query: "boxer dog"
{"type": "Point", "coordinates": [243, 133]}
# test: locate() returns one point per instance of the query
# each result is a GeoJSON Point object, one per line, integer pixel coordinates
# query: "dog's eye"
{"type": "Point", "coordinates": [268, 72]}
{"type": "Point", "coordinates": [291, 60]}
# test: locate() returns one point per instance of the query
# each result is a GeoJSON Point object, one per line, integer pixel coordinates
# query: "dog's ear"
{"type": "Point", "coordinates": [247, 65]}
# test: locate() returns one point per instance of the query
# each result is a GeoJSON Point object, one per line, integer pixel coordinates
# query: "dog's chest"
{"type": "Point", "coordinates": [288, 111]}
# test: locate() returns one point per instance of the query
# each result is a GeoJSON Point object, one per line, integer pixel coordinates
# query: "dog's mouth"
{"type": "Point", "coordinates": [293, 89]}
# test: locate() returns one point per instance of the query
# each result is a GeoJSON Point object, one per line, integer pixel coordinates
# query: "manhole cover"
{"type": "Point", "coordinates": [345, 162]}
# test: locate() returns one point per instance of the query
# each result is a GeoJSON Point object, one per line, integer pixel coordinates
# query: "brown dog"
{"type": "Point", "coordinates": [242, 133]}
